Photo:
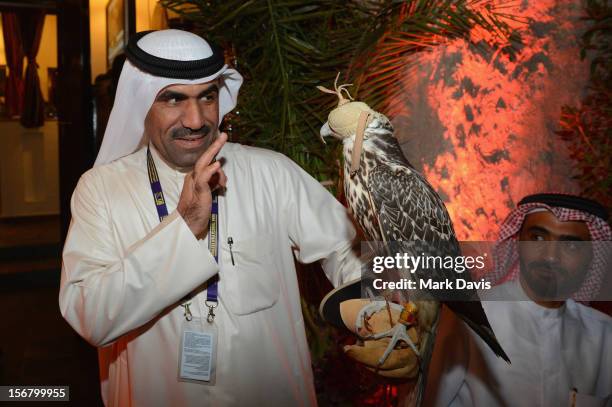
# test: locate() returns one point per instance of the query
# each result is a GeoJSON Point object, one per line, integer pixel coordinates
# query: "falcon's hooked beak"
{"type": "Point", "coordinates": [326, 131]}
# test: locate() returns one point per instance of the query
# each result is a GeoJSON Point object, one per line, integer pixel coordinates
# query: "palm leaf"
{"type": "Point", "coordinates": [418, 26]}
{"type": "Point", "coordinates": [286, 48]}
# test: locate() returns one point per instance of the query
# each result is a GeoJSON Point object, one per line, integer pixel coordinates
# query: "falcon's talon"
{"type": "Point", "coordinates": [380, 335]}
{"type": "Point", "coordinates": [399, 334]}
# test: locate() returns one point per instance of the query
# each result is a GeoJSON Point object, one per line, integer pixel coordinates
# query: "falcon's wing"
{"type": "Point", "coordinates": [408, 207]}
{"type": "Point", "coordinates": [414, 220]}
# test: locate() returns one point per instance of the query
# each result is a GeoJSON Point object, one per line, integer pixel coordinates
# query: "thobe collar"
{"type": "Point", "coordinates": [168, 173]}
{"type": "Point", "coordinates": [163, 167]}
{"type": "Point", "coordinates": [518, 293]}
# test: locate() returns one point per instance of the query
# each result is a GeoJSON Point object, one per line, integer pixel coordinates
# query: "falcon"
{"type": "Point", "coordinates": [394, 204]}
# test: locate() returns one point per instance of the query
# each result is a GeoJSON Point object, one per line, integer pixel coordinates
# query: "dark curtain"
{"type": "Point", "coordinates": [13, 92]}
{"type": "Point", "coordinates": [31, 23]}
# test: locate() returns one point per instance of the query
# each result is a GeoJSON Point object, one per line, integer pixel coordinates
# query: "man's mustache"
{"type": "Point", "coordinates": [183, 132]}
{"type": "Point", "coordinates": [547, 266]}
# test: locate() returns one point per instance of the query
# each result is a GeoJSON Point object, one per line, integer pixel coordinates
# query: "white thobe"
{"type": "Point", "coordinates": [124, 274]}
{"type": "Point", "coordinates": [552, 351]}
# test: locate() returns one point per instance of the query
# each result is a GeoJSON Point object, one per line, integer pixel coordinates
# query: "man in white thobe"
{"type": "Point", "coordinates": [130, 281]}
{"type": "Point", "coordinates": [561, 350]}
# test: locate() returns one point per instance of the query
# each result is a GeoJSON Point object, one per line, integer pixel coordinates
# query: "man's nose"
{"type": "Point", "coordinates": [551, 250]}
{"type": "Point", "coordinates": [193, 115]}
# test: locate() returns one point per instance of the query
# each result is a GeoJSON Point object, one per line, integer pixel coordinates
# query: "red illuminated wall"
{"type": "Point", "coordinates": [481, 125]}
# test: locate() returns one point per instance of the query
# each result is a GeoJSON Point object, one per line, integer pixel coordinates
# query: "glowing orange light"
{"type": "Point", "coordinates": [498, 115]}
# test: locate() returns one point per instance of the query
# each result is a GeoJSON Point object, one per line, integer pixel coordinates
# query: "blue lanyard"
{"type": "Point", "coordinates": [213, 227]}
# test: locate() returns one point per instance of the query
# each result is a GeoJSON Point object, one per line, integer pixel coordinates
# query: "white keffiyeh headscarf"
{"type": "Point", "coordinates": [137, 88]}
{"type": "Point", "coordinates": [566, 208]}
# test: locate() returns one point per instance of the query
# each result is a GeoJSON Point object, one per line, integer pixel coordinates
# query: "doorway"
{"type": "Point", "coordinates": [42, 166]}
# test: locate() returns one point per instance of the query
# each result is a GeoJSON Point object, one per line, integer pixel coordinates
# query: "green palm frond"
{"type": "Point", "coordinates": [586, 128]}
{"type": "Point", "coordinates": [411, 27]}
{"type": "Point", "coordinates": [286, 48]}
{"type": "Point", "coordinates": [282, 49]}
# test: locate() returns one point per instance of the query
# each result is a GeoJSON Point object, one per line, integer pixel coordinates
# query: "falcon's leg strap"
{"type": "Point", "coordinates": [397, 333]}
{"type": "Point", "coordinates": [367, 311]}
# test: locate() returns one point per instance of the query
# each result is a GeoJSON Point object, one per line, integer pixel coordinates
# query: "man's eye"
{"type": "Point", "coordinates": [211, 97]}
{"type": "Point", "coordinates": [172, 101]}
{"type": "Point", "coordinates": [537, 237]}
{"type": "Point", "coordinates": [571, 246]}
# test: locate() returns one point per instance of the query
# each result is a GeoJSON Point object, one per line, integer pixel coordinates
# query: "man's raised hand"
{"type": "Point", "coordinates": [195, 202]}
